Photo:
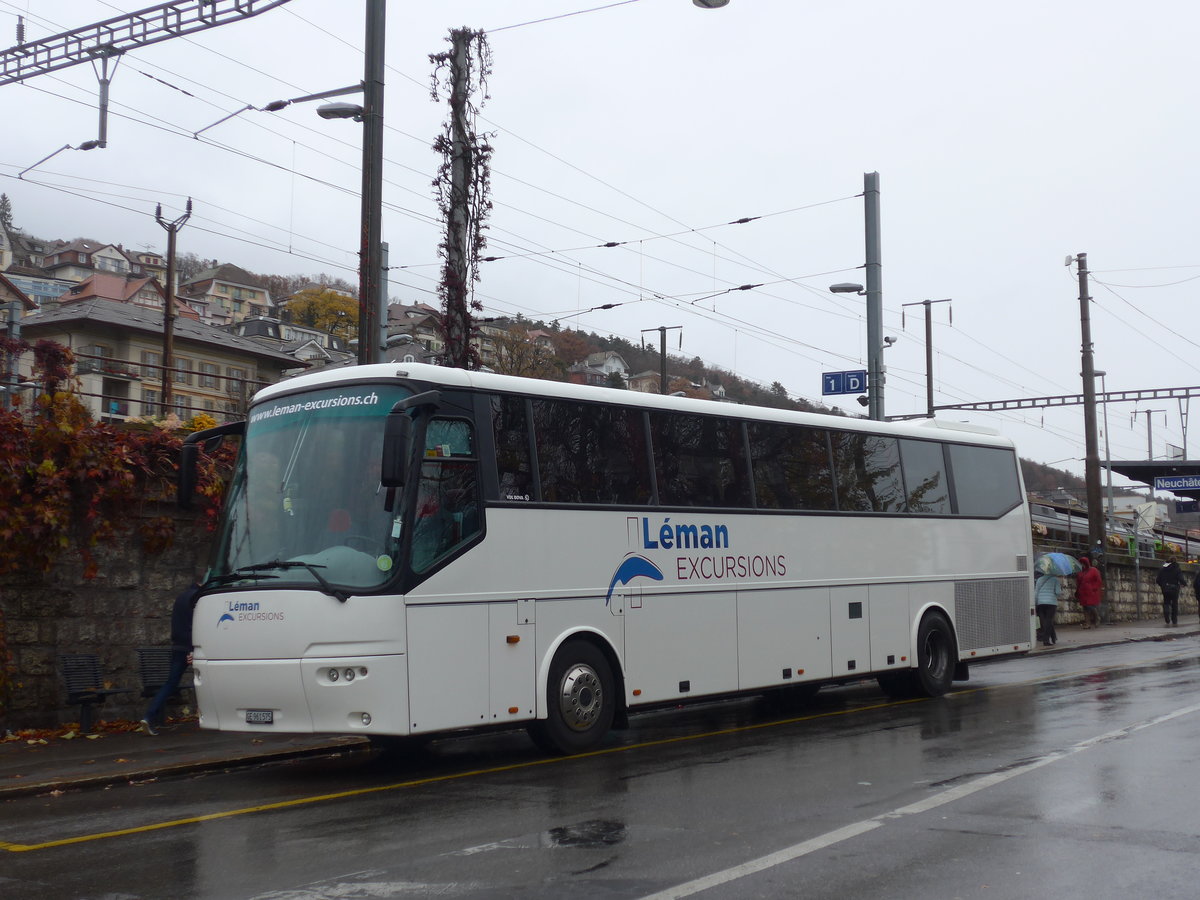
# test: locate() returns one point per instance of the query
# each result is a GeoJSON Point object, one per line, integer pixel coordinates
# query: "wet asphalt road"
{"type": "Point", "coordinates": [1070, 776]}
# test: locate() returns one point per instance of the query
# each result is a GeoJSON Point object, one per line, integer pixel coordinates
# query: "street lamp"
{"type": "Point", "coordinates": [370, 113]}
{"type": "Point", "coordinates": [340, 111]}
{"type": "Point", "coordinates": [875, 348]}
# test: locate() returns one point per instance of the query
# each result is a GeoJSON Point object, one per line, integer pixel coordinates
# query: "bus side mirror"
{"type": "Point", "coordinates": [397, 448]}
{"type": "Point", "coordinates": [186, 487]}
{"type": "Point", "coordinates": [189, 454]}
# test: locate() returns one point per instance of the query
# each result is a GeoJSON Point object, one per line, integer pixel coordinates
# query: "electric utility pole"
{"type": "Point", "coordinates": [168, 376]}
{"type": "Point", "coordinates": [662, 361]}
{"type": "Point", "coordinates": [371, 274]}
{"type": "Point", "coordinates": [1091, 465]}
{"type": "Point", "coordinates": [462, 185]}
{"type": "Point", "coordinates": [928, 347]}
{"type": "Point", "coordinates": [458, 321]}
{"type": "Point", "coordinates": [874, 292]}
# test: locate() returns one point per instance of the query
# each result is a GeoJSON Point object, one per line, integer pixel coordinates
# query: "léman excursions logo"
{"type": "Point", "coordinates": [684, 538]}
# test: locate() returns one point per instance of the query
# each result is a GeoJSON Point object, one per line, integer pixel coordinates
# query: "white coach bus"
{"type": "Point", "coordinates": [411, 550]}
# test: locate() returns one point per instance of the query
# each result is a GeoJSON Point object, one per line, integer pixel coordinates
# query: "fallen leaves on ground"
{"type": "Point", "coordinates": [70, 730]}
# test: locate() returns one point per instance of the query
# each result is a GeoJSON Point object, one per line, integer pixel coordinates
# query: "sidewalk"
{"type": "Point", "coordinates": [59, 764]}
{"type": "Point", "coordinates": [118, 758]}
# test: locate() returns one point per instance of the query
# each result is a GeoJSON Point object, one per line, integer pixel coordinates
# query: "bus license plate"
{"type": "Point", "coordinates": [260, 717]}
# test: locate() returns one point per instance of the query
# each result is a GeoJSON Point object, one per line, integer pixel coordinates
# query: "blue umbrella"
{"type": "Point", "coordinates": [1056, 564]}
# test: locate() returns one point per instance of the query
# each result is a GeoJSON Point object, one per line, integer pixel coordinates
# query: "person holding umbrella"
{"type": "Point", "coordinates": [1045, 597]}
{"type": "Point", "coordinates": [1049, 589]}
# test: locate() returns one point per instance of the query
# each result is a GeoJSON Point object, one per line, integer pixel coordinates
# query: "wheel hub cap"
{"type": "Point", "coordinates": [581, 698]}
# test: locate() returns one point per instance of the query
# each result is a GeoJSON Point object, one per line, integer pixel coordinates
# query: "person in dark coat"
{"type": "Point", "coordinates": [181, 655]}
{"type": "Point", "coordinates": [1168, 580]}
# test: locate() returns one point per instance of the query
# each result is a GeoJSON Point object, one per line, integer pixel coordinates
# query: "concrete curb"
{"type": "Point", "coordinates": [1039, 650]}
{"type": "Point", "coordinates": [340, 746]}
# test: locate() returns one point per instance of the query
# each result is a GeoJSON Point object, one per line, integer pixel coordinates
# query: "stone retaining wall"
{"type": "Point", "coordinates": [128, 605]}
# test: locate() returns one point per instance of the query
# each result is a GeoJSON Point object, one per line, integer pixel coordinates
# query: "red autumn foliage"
{"type": "Point", "coordinates": [68, 484]}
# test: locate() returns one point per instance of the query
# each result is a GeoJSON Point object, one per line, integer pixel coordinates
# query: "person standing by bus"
{"type": "Point", "coordinates": [1168, 580]}
{"type": "Point", "coordinates": [181, 654]}
{"type": "Point", "coordinates": [1045, 597]}
{"type": "Point", "coordinates": [1087, 592]}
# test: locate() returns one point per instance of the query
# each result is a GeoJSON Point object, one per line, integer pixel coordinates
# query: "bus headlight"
{"type": "Point", "coordinates": [349, 674]}
{"type": "Point", "coordinates": [366, 718]}
{"type": "Point", "coordinates": [333, 675]}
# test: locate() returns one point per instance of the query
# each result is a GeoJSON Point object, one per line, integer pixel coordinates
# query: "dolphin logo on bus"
{"type": "Point", "coordinates": [225, 618]}
{"type": "Point", "coordinates": [633, 567]}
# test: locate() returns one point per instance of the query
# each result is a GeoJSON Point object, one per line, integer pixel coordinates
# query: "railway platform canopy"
{"type": "Point", "coordinates": [1179, 476]}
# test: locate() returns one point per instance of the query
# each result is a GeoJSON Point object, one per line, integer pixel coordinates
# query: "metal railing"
{"type": "Point", "coordinates": [224, 397]}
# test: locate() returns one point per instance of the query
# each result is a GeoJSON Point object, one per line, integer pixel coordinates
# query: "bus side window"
{"type": "Point", "coordinates": [985, 480]}
{"type": "Point", "coordinates": [791, 466]}
{"type": "Point", "coordinates": [867, 468]}
{"type": "Point", "coordinates": [925, 480]}
{"type": "Point", "coordinates": [447, 511]}
{"type": "Point", "coordinates": [514, 467]}
{"type": "Point", "coordinates": [700, 461]}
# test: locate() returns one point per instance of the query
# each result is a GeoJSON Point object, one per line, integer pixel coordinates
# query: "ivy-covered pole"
{"type": "Point", "coordinates": [462, 187]}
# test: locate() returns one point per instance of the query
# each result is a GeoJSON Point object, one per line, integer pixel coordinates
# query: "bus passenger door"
{"type": "Point", "coordinates": [513, 675]}
{"type": "Point", "coordinates": [850, 619]}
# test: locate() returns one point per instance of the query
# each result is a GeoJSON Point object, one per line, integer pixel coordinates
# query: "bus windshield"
{"type": "Point", "coordinates": [306, 504]}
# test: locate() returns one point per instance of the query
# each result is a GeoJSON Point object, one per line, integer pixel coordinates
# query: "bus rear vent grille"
{"type": "Point", "coordinates": [1022, 562]}
{"type": "Point", "coordinates": [992, 612]}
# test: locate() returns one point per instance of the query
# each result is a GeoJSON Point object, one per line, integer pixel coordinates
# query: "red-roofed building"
{"type": "Point", "coordinates": [139, 291]}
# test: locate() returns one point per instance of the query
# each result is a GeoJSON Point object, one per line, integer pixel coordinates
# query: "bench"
{"type": "Point", "coordinates": [154, 664]}
{"type": "Point", "coordinates": [85, 685]}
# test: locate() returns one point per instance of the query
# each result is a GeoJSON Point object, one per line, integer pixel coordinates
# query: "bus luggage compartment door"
{"type": "Point", "coordinates": [850, 620]}
{"type": "Point", "coordinates": [783, 636]}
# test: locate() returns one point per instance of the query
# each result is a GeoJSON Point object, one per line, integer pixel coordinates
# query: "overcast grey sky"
{"type": "Point", "coordinates": [1006, 137]}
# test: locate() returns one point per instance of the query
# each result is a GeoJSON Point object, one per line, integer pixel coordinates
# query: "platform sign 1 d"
{"type": "Point", "coordinates": [854, 382]}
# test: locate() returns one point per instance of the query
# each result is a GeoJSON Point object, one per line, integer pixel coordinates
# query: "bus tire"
{"type": "Point", "coordinates": [937, 653]}
{"type": "Point", "coordinates": [581, 700]}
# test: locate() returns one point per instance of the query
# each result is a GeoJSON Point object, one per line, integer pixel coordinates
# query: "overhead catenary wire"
{"type": "Point", "coordinates": [805, 287]}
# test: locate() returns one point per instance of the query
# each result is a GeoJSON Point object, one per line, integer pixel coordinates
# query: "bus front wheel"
{"type": "Point", "coordinates": [581, 700]}
{"type": "Point", "coordinates": [936, 656]}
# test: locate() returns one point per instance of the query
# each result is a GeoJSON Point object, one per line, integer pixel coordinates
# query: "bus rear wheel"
{"type": "Point", "coordinates": [581, 700]}
{"type": "Point", "coordinates": [936, 656]}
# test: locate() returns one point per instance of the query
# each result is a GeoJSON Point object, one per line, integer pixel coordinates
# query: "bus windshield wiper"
{"type": "Point", "coordinates": [341, 596]}
{"type": "Point", "coordinates": [254, 570]}
{"type": "Point", "coordinates": [239, 574]}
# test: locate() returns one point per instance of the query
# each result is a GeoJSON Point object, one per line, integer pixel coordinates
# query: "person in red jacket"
{"type": "Point", "coordinates": [1087, 592]}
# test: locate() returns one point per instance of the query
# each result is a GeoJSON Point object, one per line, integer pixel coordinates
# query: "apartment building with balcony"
{"type": "Point", "coordinates": [119, 366]}
{"type": "Point", "coordinates": [225, 294]}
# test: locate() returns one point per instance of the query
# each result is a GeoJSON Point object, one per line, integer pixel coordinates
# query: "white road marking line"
{"type": "Point", "coordinates": [950, 795]}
